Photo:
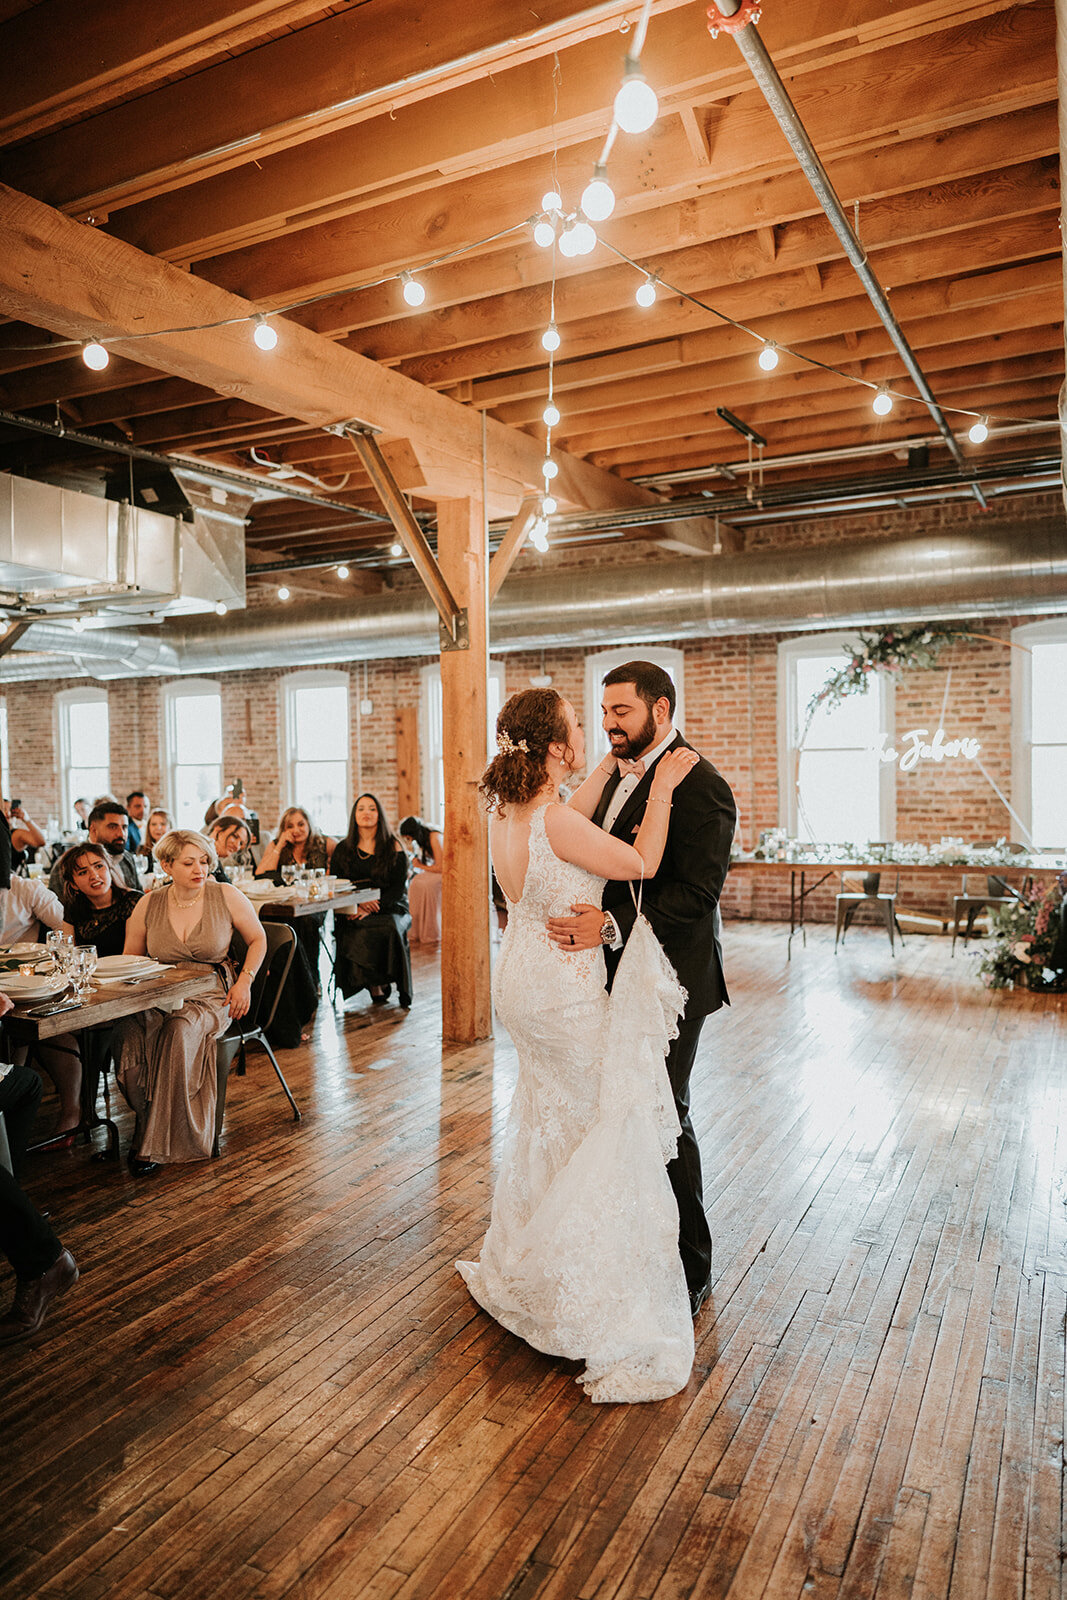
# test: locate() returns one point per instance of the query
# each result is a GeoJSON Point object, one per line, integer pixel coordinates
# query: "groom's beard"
{"type": "Point", "coordinates": [643, 739]}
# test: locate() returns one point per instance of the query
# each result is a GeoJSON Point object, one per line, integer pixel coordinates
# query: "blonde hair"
{"type": "Point", "coordinates": [172, 844]}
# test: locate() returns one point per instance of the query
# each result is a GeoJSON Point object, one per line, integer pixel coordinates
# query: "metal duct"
{"type": "Point", "coordinates": [1015, 569]}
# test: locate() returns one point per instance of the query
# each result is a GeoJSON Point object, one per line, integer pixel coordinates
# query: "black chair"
{"type": "Point", "coordinates": [5, 1148]}
{"type": "Point", "coordinates": [866, 891]}
{"type": "Point", "coordinates": [971, 902]}
{"type": "Point", "coordinates": [252, 1029]}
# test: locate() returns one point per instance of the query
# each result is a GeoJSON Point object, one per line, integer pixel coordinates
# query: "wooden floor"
{"type": "Point", "coordinates": [271, 1382]}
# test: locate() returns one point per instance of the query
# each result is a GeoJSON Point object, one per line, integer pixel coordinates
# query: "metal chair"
{"type": "Point", "coordinates": [970, 903]}
{"type": "Point", "coordinates": [5, 1148]}
{"type": "Point", "coordinates": [252, 1029]}
{"type": "Point", "coordinates": [856, 892]}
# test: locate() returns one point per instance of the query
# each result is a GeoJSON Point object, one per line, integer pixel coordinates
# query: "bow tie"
{"type": "Point", "coordinates": [632, 769]}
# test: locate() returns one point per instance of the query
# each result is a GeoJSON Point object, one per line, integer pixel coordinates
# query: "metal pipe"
{"type": "Point", "coordinates": [765, 73]}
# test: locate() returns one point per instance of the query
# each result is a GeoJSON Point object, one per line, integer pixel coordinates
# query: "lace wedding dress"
{"type": "Point", "coordinates": [581, 1257]}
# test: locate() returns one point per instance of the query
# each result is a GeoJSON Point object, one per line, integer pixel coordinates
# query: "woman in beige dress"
{"type": "Point", "coordinates": [166, 1060]}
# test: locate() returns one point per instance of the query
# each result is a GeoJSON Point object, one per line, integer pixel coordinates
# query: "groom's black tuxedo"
{"type": "Point", "coordinates": [681, 902]}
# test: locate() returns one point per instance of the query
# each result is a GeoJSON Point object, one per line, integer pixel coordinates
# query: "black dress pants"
{"type": "Point", "coordinates": [26, 1239]}
{"type": "Point", "coordinates": [694, 1235]}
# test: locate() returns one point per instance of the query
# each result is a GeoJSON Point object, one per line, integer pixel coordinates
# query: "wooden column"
{"type": "Point", "coordinates": [466, 1009]}
{"type": "Point", "coordinates": [408, 800]}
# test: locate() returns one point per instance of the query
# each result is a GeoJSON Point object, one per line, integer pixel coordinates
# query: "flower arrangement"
{"type": "Point", "coordinates": [891, 650]}
{"type": "Point", "coordinates": [1024, 935]}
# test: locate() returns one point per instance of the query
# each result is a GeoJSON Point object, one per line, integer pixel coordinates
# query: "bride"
{"type": "Point", "coordinates": [581, 1257]}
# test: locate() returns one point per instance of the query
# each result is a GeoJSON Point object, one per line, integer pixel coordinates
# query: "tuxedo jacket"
{"type": "Point", "coordinates": [681, 901]}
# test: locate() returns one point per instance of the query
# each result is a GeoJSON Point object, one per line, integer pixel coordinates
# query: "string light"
{"type": "Point", "coordinates": [550, 414]}
{"type": "Point", "coordinates": [598, 199]}
{"type": "Point", "coordinates": [544, 234]}
{"type": "Point", "coordinates": [78, 625]}
{"type": "Point", "coordinates": [882, 402]}
{"type": "Point", "coordinates": [221, 608]}
{"type": "Point", "coordinates": [414, 292]}
{"type": "Point", "coordinates": [646, 292]}
{"type": "Point", "coordinates": [584, 238]}
{"type": "Point", "coordinates": [342, 572]}
{"type": "Point", "coordinates": [567, 244]}
{"type": "Point", "coordinates": [978, 432]}
{"type": "Point", "coordinates": [550, 339]}
{"type": "Point", "coordinates": [549, 469]}
{"type": "Point", "coordinates": [283, 593]}
{"type": "Point", "coordinates": [95, 356]}
{"type": "Point", "coordinates": [396, 548]}
{"type": "Point", "coordinates": [636, 106]}
{"type": "Point", "coordinates": [539, 535]}
{"type": "Point", "coordinates": [551, 201]}
{"type": "Point", "coordinates": [548, 504]}
{"type": "Point", "coordinates": [263, 333]}
{"type": "Point", "coordinates": [768, 357]}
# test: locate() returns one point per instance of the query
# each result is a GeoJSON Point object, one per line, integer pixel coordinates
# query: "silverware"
{"type": "Point", "coordinates": [52, 1010]}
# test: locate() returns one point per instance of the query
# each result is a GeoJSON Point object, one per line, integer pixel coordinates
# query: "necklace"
{"type": "Point", "coordinates": [185, 903]}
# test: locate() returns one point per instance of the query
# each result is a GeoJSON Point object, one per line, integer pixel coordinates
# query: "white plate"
{"type": "Point", "coordinates": [257, 888]}
{"type": "Point", "coordinates": [122, 966]}
{"type": "Point", "coordinates": [25, 950]}
{"type": "Point", "coordinates": [22, 989]}
{"type": "Point", "coordinates": [151, 969]}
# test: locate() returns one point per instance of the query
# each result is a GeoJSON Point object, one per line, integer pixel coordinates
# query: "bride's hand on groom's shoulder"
{"type": "Point", "coordinates": [670, 770]}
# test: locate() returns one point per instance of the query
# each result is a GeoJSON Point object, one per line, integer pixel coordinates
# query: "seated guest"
{"type": "Point", "coordinates": [232, 843]}
{"type": "Point", "coordinates": [372, 946]}
{"type": "Point", "coordinates": [24, 908]}
{"type": "Point", "coordinates": [166, 1060]}
{"type": "Point", "coordinates": [297, 843]}
{"type": "Point", "coordinates": [82, 808]}
{"type": "Point", "coordinates": [96, 907]}
{"type": "Point", "coordinates": [424, 890]}
{"type": "Point", "coordinates": [157, 823]}
{"type": "Point", "coordinates": [26, 836]}
{"type": "Point", "coordinates": [137, 810]}
{"type": "Point", "coordinates": [107, 826]}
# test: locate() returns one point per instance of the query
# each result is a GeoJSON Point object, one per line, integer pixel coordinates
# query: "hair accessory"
{"type": "Point", "coordinates": [509, 746]}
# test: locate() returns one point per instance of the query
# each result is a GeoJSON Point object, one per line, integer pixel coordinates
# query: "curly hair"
{"type": "Point", "coordinates": [527, 725]}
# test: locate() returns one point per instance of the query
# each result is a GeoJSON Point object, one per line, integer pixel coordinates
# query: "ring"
{"type": "Point", "coordinates": [572, 938]}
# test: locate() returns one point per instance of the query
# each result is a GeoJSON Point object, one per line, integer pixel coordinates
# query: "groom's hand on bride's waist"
{"type": "Point", "coordinates": [582, 931]}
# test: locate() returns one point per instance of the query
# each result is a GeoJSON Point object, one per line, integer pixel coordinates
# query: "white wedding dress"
{"type": "Point", "coordinates": [581, 1257]}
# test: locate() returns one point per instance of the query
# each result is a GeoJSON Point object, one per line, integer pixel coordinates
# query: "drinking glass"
{"type": "Point", "coordinates": [289, 875]}
{"type": "Point", "coordinates": [83, 966]}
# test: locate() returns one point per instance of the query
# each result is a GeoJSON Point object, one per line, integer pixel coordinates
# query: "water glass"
{"type": "Point", "coordinates": [289, 875]}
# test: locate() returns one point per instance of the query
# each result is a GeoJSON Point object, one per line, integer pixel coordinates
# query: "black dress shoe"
{"type": "Point", "coordinates": [33, 1296]}
{"type": "Point", "coordinates": [698, 1296]}
{"type": "Point", "coordinates": [141, 1168]}
{"type": "Point", "coordinates": [382, 996]}
{"type": "Point", "coordinates": [403, 1001]}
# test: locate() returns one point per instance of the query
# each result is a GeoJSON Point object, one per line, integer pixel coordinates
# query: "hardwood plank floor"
{"type": "Point", "coordinates": [270, 1381]}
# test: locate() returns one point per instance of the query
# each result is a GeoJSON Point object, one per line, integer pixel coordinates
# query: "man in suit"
{"type": "Point", "coordinates": [681, 903]}
{"type": "Point", "coordinates": [108, 825]}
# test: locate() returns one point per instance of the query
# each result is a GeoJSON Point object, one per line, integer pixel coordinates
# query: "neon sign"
{"type": "Point", "coordinates": [921, 747]}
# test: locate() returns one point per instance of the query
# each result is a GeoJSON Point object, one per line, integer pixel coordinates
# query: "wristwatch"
{"type": "Point", "coordinates": [608, 932]}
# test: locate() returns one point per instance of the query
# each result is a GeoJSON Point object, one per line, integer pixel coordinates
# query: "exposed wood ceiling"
{"type": "Point", "coordinates": [280, 151]}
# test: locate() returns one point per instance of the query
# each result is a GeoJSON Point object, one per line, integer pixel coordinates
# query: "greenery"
{"type": "Point", "coordinates": [1024, 934]}
{"type": "Point", "coordinates": [892, 650]}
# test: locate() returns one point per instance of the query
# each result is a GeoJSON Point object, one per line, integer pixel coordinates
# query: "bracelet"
{"type": "Point", "coordinates": [244, 973]}
{"type": "Point", "coordinates": [659, 801]}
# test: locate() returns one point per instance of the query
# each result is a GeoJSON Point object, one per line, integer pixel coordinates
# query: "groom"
{"type": "Point", "coordinates": [681, 903]}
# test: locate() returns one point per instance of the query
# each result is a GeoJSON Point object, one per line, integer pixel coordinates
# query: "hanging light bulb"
{"type": "Point", "coordinates": [544, 234]}
{"type": "Point", "coordinates": [550, 338]}
{"type": "Point", "coordinates": [585, 240]}
{"type": "Point", "coordinates": [396, 548]}
{"type": "Point", "coordinates": [598, 199]}
{"type": "Point", "coordinates": [550, 469]}
{"type": "Point", "coordinates": [414, 293]}
{"type": "Point", "coordinates": [539, 535]}
{"type": "Point", "coordinates": [548, 504]}
{"type": "Point", "coordinates": [95, 355]}
{"type": "Point", "coordinates": [283, 593]}
{"type": "Point", "coordinates": [264, 335]}
{"type": "Point", "coordinates": [221, 608]}
{"type": "Point", "coordinates": [646, 292]}
{"type": "Point", "coordinates": [567, 244]}
{"type": "Point", "coordinates": [978, 432]}
{"type": "Point", "coordinates": [342, 572]}
{"type": "Point", "coordinates": [551, 414]}
{"type": "Point", "coordinates": [882, 402]}
{"type": "Point", "coordinates": [551, 201]}
{"type": "Point", "coordinates": [78, 625]}
{"type": "Point", "coordinates": [636, 106]}
{"type": "Point", "coordinates": [768, 357]}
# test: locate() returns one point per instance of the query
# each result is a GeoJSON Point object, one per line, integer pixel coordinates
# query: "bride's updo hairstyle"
{"type": "Point", "coordinates": [526, 726]}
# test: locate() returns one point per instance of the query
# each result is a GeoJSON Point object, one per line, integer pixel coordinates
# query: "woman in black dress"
{"type": "Point", "coordinates": [95, 907]}
{"type": "Point", "coordinates": [372, 946]}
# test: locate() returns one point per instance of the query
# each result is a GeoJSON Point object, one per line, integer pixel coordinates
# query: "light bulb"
{"type": "Point", "coordinates": [768, 357]}
{"type": "Point", "coordinates": [567, 244]}
{"type": "Point", "coordinates": [551, 201]}
{"type": "Point", "coordinates": [882, 403]}
{"type": "Point", "coordinates": [550, 338]}
{"type": "Point", "coordinates": [414, 293]}
{"type": "Point", "coordinates": [646, 292]}
{"type": "Point", "coordinates": [539, 534]}
{"type": "Point", "coordinates": [78, 624]}
{"type": "Point", "coordinates": [551, 414]}
{"type": "Point", "coordinates": [221, 608]}
{"type": "Point", "coordinates": [283, 593]}
{"type": "Point", "coordinates": [550, 468]}
{"type": "Point", "coordinates": [544, 234]}
{"type": "Point", "coordinates": [95, 356]}
{"type": "Point", "coordinates": [265, 336]}
{"type": "Point", "coordinates": [585, 239]}
{"type": "Point", "coordinates": [396, 548]}
{"type": "Point", "coordinates": [978, 432]}
{"type": "Point", "coordinates": [598, 200]}
{"type": "Point", "coordinates": [636, 106]}
{"type": "Point", "coordinates": [548, 504]}
{"type": "Point", "coordinates": [342, 572]}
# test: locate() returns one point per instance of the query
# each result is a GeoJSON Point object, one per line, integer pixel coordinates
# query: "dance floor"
{"type": "Point", "coordinates": [270, 1381]}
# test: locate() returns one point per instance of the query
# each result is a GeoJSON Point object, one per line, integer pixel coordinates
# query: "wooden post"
{"type": "Point", "coordinates": [466, 1008]}
{"type": "Point", "coordinates": [408, 801]}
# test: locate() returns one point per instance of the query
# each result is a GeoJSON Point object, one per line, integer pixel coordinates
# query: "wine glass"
{"type": "Point", "coordinates": [289, 873]}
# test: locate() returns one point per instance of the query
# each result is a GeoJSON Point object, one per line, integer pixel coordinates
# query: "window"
{"type": "Point", "coordinates": [192, 740]}
{"type": "Point", "coordinates": [432, 739]}
{"type": "Point", "coordinates": [833, 785]}
{"type": "Point", "coordinates": [84, 746]}
{"type": "Point", "coordinates": [596, 669]}
{"type": "Point", "coordinates": [315, 730]}
{"type": "Point", "coordinates": [1039, 671]}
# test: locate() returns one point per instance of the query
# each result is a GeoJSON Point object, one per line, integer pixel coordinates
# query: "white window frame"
{"type": "Point", "coordinates": [791, 718]}
{"type": "Point", "coordinates": [597, 668]}
{"type": "Point", "coordinates": [431, 736]}
{"type": "Point", "coordinates": [291, 684]}
{"type": "Point", "coordinates": [64, 701]}
{"type": "Point", "coordinates": [1054, 631]}
{"type": "Point", "coordinates": [184, 689]}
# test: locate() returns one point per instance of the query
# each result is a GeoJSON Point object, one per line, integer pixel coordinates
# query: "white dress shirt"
{"type": "Point", "coordinates": [24, 906]}
{"type": "Point", "coordinates": [624, 789]}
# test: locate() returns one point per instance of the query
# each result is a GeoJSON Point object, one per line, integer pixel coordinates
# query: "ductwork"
{"type": "Point", "coordinates": [1014, 569]}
